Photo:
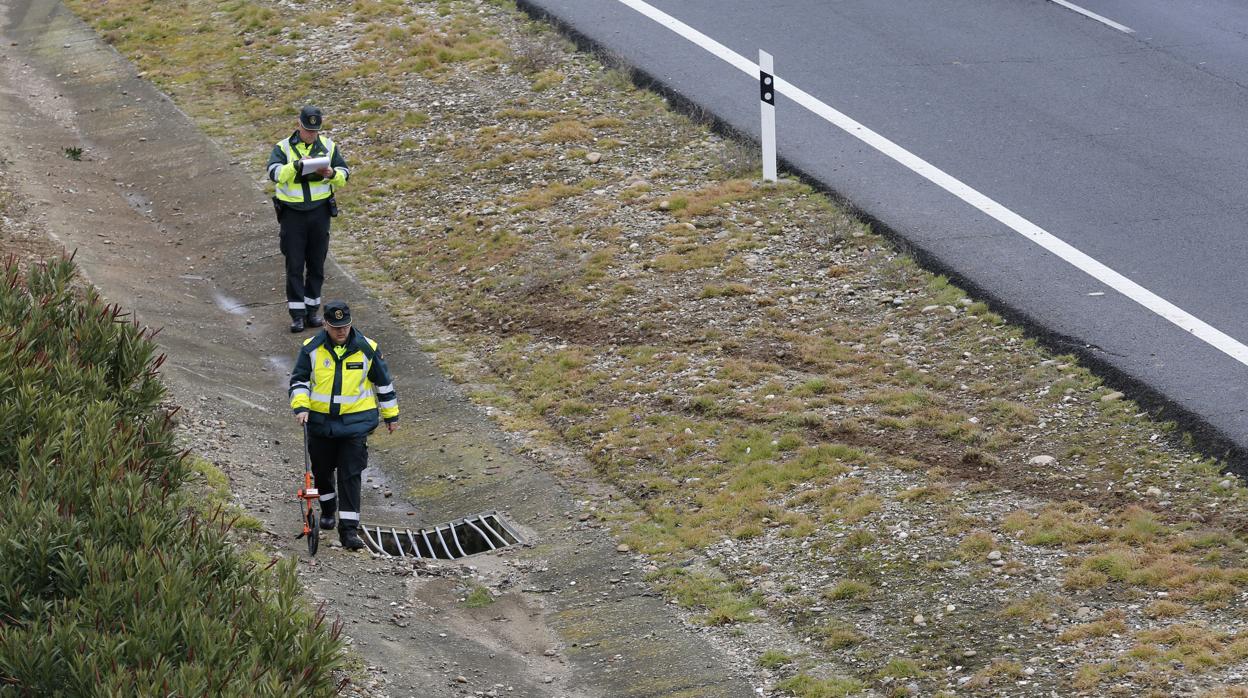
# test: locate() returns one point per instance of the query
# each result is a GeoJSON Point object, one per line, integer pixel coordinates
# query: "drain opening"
{"type": "Point", "coordinates": [450, 541]}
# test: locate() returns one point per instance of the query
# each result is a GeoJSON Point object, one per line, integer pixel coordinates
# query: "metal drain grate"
{"type": "Point", "coordinates": [467, 536]}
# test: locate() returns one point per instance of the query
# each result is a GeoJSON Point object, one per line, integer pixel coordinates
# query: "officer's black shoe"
{"type": "Point", "coordinates": [350, 539]}
{"type": "Point", "coordinates": [296, 325]}
{"type": "Point", "coordinates": [314, 320]}
{"type": "Point", "coordinates": [328, 522]}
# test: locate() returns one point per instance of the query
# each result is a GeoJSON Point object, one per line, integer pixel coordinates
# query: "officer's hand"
{"type": "Point", "coordinates": [326, 172]}
{"type": "Point", "coordinates": [392, 426]}
{"type": "Point", "coordinates": [301, 418]}
{"type": "Point", "coordinates": [299, 166]}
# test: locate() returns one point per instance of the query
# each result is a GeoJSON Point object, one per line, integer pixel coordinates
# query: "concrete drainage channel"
{"type": "Point", "coordinates": [461, 538]}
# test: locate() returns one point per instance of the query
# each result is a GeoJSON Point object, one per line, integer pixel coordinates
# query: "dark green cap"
{"type": "Point", "coordinates": [310, 117]}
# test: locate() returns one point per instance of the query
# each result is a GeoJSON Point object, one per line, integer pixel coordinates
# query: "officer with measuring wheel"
{"type": "Point", "coordinates": [338, 386]}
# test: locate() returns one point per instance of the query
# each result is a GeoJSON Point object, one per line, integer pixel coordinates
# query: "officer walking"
{"type": "Point", "coordinates": [304, 202]}
{"type": "Point", "coordinates": [337, 387]}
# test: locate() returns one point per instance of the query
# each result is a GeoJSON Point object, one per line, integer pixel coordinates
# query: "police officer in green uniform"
{"type": "Point", "coordinates": [338, 386]}
{"type": "Point", "coordinates": [304, 202]}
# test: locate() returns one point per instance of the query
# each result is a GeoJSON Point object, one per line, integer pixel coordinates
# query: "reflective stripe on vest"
{"type": "Point", "coordinates": [317, 191]}
{"type": "Point", "coordinates": [343, 399]}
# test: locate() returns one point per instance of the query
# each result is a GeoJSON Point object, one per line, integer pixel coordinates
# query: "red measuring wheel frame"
{"type": "Point", "coordinates": [308, 493]}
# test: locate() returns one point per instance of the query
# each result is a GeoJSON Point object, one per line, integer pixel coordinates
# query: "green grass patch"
{"type": "Point", "coordinates": [805, 686]}
{"type": "Point", "coordinates": [1069, 523]}
{"type": "Point", "coordinates": [214, 495]}
{"type": "Point", "coordinates": [1035, 608]}
{"type": "Point", "coordinates": [478, 597]}
{"type": "Point", "coordinates": [725, 290]}
{"type": "Point", "coordinates": [857, 540]}
{"type": "Point", "coordinates": [901, 402]}
{"type": "Point", "coordinates": [848, 589]}
{"type": "Point", "coordinates": [901, 668]}
{"type": "Point", "coordinates": [837, 635]}
{"type": "Point", "coordinates": [975, 546]}
{"type": "Point", "coordinates": [722, 601]}
{"type": "Point", "coordinates": [774, 659]}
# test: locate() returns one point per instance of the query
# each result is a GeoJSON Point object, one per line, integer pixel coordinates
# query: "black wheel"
{"type": "Point", "coordinates": [314, 535]}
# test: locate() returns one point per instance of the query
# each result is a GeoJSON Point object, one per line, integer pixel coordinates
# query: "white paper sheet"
{"type": "Point", "coordinates": [311, 165]}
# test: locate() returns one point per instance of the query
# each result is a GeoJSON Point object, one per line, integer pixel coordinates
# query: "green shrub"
{"type": "Point", "coordinates": [110, 582]}
{"type": "Point", "coordinates": [806, 686]}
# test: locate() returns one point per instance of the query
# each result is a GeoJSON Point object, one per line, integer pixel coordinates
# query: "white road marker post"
{"type": "Point", "coordinates": [767, 102]}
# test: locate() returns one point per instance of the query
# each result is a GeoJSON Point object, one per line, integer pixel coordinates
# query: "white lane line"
{"type": "Point", "coordinates": [1092, 15]}
{"type": "Point", "coordinates": [1183, 319]}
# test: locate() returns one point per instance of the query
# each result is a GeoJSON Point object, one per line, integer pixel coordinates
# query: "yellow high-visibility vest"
{"type": "Point", "coordinates": [293, 191]}
{"type": "Point", "coordinates": [339, 383]}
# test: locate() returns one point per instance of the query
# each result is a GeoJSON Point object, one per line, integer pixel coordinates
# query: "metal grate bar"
{"type": "Point", "coordinates": [455, 538]}
{"type": "Point", "coordinates": [502, 523]}
{"type": "Point", "coordinates": [469, 536]}
{"type": "Point", "coordinates": [374, 545]}
{"type": "Point", "coordinates": [438, 531]}
{"type": "Point", "coordinates": [490, 528]}
{"type": "Point", "coordinates": [397, 543]}
{"type": "Point", "coordinates": [482, 534]}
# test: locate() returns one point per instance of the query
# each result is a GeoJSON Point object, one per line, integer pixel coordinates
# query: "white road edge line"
{"type": "Point", "coordinates": [1092, 15]}
{"type": "Point", "coordinates": [1183, 319]}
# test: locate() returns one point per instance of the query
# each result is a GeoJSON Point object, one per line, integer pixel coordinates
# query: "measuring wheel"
{"type": "Point", "coordinates": [314, 532]}
{"type": "Point", "coordinates": [307, 495]}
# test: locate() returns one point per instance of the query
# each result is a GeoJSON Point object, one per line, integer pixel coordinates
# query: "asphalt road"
{"type": "Point", "coordinates": [1127, 146]}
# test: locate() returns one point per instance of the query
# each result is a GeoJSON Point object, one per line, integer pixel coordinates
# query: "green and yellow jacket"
{"type": "Point", "coordinates": [299, 191]}
{"type": "Point", "coordinates": [342, 387]}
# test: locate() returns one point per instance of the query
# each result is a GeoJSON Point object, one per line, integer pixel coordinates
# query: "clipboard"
{"type": "Point", "coordinates": [311, 165]}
